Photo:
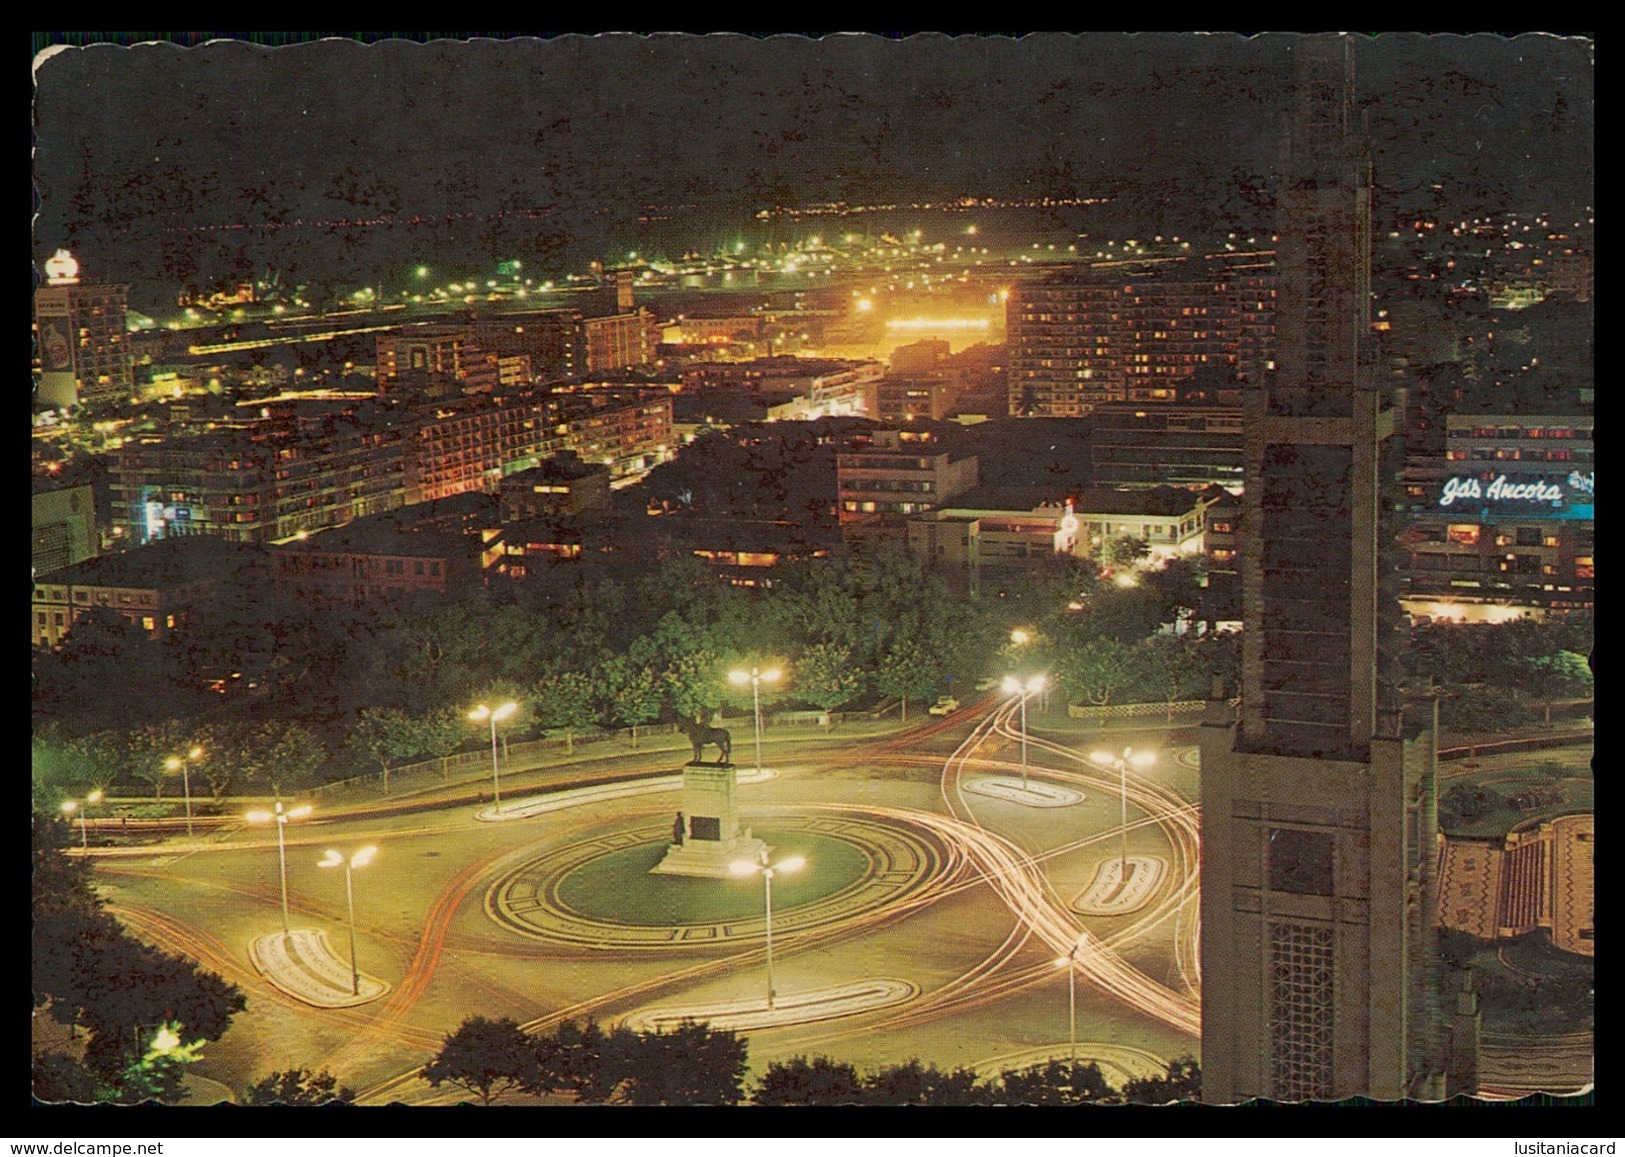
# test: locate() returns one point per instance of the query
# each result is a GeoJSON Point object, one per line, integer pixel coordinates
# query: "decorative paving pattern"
{"type": "Point", "coordinates": [1035, 794]}
{"type": "Point", "coordinates": [526, 900]}
{"type": "Point", "coordinates": [1108, 894]}
{"type": "Point", "coordinates": [1510, 1066]}
{"type": "Point", "coordinates": [1574, 883]}
{"type": "Point", "coordinates": [1469, 884]}
{"type": "Point", "coordinates": [788, 1007]}
{"type": "Point", "coordinates": [302, 965]}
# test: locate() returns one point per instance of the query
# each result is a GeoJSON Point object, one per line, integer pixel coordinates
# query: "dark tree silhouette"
{"type": "Point", "coordinates": [1056, 1082]}
{"type": "Point", "coordinates": [692, 1064]}
{"type": "Point", "coordinates": [583, 1059]}
{"type": "Point", "coordinates": [59, 1079]}
{"type": "Point", "coordinates": [820, 1081]}
{"type": "Point", "coordinates": [90, 973]}
{"type": "Point", "coordinates": [486, 1057]}
{"type": "Point", "coordinates": [298, 1087]}
{"type": "Point", "coordinates": [1182, 1083]}
{"type": "Point", "coordinates": [919, 1084]}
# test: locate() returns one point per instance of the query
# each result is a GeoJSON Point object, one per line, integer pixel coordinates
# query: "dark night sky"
{"type": "Point", "coordinates": [548, 148]}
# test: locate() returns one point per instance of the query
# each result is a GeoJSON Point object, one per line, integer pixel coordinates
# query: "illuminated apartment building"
{"type": "Point", "coordinates": [900, 473]}
{"type": "Point", "coordinates": [1507, 518]}
{"type": "Point", "coordinates": [84, 344]}
{"type": "Point", "coordinates": [619, 341]}
{"type": "Point", "coordinates": [1136, 330]}
{"type": "Point", "coordinates": [258, 484]}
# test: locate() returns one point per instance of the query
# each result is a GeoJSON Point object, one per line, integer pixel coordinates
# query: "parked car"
{"type": "Point", "coordinates": [944, 705]}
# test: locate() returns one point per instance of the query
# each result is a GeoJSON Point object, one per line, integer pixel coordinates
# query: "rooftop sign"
{"type": "Point", "coordinates": [1541, 496]}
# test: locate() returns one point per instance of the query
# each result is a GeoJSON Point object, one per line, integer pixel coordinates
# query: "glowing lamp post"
{"type": "Point", "coordinates": [1069, 962]}
{"type": "Point", "coordinates": [1121, 762]}
{"type": "Point", "coordinates": [768, 871]}
{"type": "Point", "coordinates": [184, 766]}
{"type": "Point", "coordinates": [360, 860]}
{"type": "Point", "coordinates": [756, 678]}
{"type": "Point", "coordinates": [69, 806]}
{"type": "Point", "coordinates": [281, 818]}
{"type": "Point", "coordinates": [496, 715]}
{"type": "Point", "coordinates": [1014, 686]}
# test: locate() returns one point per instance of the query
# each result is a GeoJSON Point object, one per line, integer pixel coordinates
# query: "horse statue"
{"type": "Point", "coordinates": [699, 735]}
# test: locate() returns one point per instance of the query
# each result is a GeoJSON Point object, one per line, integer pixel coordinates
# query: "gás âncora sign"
{"type": "Point", "coordinates": [1537, 490]}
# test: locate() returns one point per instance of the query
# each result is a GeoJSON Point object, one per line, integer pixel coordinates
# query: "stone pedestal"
{"type": "Point", "coordinates": [711, 837]}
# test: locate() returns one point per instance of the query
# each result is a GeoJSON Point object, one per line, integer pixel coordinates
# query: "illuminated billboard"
{"type": "Point", "coordinates": [1493, 494]}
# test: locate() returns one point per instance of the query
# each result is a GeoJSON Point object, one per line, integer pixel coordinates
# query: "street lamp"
{"type": "Point", "coordinates": [360, 860]}
{"type": "Point", "coordinates": [1069, 962]}
{"type": "Point", "coordinates": [755, 678]}
{"type": "Point", "coordinates": [1020, 637]}
{"type": "Point", "coordinates": [1140, 759]}
{"type": "Point", "coordinates": [745, 868]}
{"type": "Point", "coordinates": [70, 806]}
{"type": "Point", "coordinates": [184, 766]}
{"type": "Point", "coordinates": [281, 817]}
{"type": "Point", "coordinates": [479, 715]}
{"type": "Point", "coordinates": [1013, 686]}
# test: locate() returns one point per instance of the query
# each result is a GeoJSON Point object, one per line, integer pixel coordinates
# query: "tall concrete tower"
{"type": "Point", "coordinates": [1318, 819]}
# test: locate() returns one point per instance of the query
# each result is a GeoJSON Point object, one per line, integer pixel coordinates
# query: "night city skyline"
{"type": "Point", "coordinates": [552, 150]}
{"type": "Point", "coordinates": [668, 569]}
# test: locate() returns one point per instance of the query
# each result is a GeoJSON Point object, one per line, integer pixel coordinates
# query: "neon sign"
{"type": "Point", "coordinates": [1539, 496]}
{"type": "Point", "coordinates": [1501, 490]}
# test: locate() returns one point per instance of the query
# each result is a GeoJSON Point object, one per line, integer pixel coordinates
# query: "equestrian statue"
{"type": "Point", "coordinates": [699, 734]}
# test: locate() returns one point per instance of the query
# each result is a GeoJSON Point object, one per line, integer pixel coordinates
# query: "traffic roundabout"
{"type": "Point", "coordinates": [598, 892]}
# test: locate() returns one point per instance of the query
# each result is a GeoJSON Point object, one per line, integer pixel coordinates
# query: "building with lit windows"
{"type": "Point", "coordinates": [1136, 330]}
{"type": "Point", "coordinates": [619, 340]}
{"type": "Point", "coordinates": [629, 431]}
{"type": "Point", "coordinates": [424, 358]}
{"type": "Point", "coordinates": [1004, 529]}
{"type": "Point", "coordinates": [259, 484]}
{"type": "Point", "coordinates": [561, 485]}
{"type": "Point", "coordinates": [912, 398]}
{"type": "Point", "coordinates": [900, 473]}
{"type": "Point", "coordinates": [155, 587]}
{"type": "Point", "coordinates": [1182, 442]}
{"type": "Point", "coordinates": [1065, 345]}
{"type": "Point", "coordinates": [1507, 517]}
{"type": "Point", "coordinates": [550, 338]}
{"type": "Point", "coordinates": [1319, 826]}
{"type": "Point", "coordinates": [371, 562]}
{"type": "Point", "coordinates": [472, 443]}
{"type": "Point", "coordinates": [83, 340]}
